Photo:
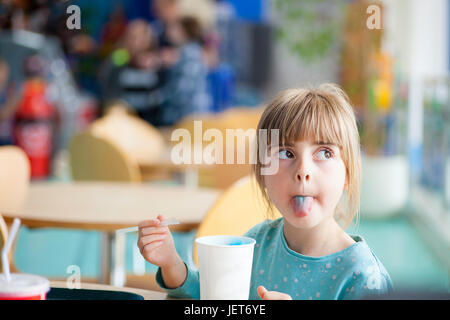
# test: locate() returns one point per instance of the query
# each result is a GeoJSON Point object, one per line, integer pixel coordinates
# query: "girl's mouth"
{"type": "Point", "coordinates": [302, 205]}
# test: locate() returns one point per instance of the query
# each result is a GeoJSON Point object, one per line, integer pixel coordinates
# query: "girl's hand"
{"type": "Point", "coordinates": [156, 243]}
{"type": "Point", "coordinates": [272, 295]}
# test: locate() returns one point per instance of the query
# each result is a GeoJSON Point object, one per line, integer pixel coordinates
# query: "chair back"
{"type": "Point", "coordinates": [14, 179]}
{"type": "Point", "coordinates": [94, 158]}
{"type": "Point", "coordinates": [134, 136]}
{"type": "Point", "coordinates": [14, 184]}
{"type": "Point", "coordinates": [223, 175]}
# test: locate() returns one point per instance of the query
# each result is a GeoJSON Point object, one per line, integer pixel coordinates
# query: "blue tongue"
{"type": "Point", "coordinates": [299, 200]}
{"type": "Point", "coordinates": [302, 203]}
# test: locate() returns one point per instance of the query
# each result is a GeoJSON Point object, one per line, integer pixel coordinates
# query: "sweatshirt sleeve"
{"type": "Point", "coordinates": [189, 289]}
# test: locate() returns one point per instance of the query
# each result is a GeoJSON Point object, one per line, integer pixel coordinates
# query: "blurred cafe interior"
{"type": "Point", "coordinates": [91, 93]}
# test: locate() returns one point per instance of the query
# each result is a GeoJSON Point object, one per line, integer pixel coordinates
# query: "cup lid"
{"type": "Point", "coordinates": [23, 284]}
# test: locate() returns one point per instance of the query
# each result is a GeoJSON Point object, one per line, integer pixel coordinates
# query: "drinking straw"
{"type": "Point", "coordinates": [12, 234]}
{"type": "Point", "coordinates": [165, 223]}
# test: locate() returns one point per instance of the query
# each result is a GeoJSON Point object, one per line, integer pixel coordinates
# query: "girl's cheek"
{"type": "Point", "coordinates": [331, 166]}
{"type": "Point", "coordinates": [283, 163]}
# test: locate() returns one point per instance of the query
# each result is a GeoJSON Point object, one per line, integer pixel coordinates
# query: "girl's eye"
{"type": "Point", "coordinates": [325, 154]}
{"type": "Point", "coordinates": [285, 154]}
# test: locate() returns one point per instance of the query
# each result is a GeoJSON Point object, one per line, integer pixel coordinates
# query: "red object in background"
{"type": "Point", "coordinates": [86, 113]}
{"type": "Point", "coordinates": [25, 297]}
{"type": "Point", "coordinates": [33, 127]}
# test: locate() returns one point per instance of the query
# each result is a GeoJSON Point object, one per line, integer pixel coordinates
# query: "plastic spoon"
{"type": "Point", "coordinates": [165, 223]}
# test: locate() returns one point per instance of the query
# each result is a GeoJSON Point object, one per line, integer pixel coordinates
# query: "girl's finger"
{"type": "Point", "coordinates": [151, 246]}
{"type": "Point", "coordinates": [261, 291]}
{"type": "Point", "coordinates": [143, 241]}
{"type": "Point", "coordinates": [148, 223]}
{"type": "Point", "coordinates": [275, 295]}
{"type": "Point", "coordinates": [151, 230]}
{"type": "Point", "coordinates": [272, 295]}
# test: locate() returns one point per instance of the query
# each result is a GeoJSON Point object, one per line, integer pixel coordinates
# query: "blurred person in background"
{"type": "Point", "coordinates": [166, 13]}
{"type": "Point", "coordinates": [186, 91]}
{"type": "Point", "coordinates": [133, 72]}
{"type": "Point", "coordinates": [31, 15]}
{"type": "Point", "coordinates": [47, 17]}
{"type": "Point", "coordinates": [8, 105]}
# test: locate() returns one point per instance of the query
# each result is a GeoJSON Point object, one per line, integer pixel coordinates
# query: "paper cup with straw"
{"type": "Point", "coordinates": [20, 286]}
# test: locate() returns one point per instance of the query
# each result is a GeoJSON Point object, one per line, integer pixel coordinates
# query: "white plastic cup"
{"type": "Point", "coordinates": [23, 286]}
{"type": "Point", "coordinates": [225, 267]}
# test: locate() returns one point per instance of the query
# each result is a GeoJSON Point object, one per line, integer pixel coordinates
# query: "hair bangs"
{"type": "Point", "coordinates": [315, 121]}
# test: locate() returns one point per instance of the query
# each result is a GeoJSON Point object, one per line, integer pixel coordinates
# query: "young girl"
{"type": "Point", "coordinates": [306, 254]}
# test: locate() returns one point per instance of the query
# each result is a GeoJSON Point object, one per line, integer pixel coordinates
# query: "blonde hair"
{"type": "Point", "coordinates": [320, 114]}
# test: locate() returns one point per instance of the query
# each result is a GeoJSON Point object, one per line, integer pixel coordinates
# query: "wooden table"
{"type": "Point", "coordinates": [146, 294]}
{"type": "Point", "coordinates": [108, 206]}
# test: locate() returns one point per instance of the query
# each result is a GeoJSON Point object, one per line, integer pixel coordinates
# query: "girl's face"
{"type": "Point", "coordinates": [306, 168]}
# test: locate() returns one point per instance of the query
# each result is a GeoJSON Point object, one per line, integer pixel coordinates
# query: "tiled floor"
{"type": "Point", "coordinates": [395, 241]}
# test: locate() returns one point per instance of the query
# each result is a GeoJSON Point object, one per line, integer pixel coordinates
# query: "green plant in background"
{"type": "Point", "coordinates": [309, 28]}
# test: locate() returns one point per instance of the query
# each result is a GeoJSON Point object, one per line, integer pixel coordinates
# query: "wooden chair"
{"type": "Point", "coordinates": [134, 136]}
{"type": "Point", "coordinates": [96, 158]}
{"type": "Point", "coordinates": [14, 183]}
{"type": "Point", "coordinates": [138, 139]}
{"type": "Point", "coordinates": [236, 211]}
{"type": "Point", "coordinates": [224, 175]}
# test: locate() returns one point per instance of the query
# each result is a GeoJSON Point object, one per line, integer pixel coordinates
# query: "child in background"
{"type": "Point", "coordinates": [306, 254]}
{"type": "Point", "coordinates": [186, 88]}
{"type": "Point", "coordinates": [166, 13]}
{"type": "Point", "coordinates": [133, 73]}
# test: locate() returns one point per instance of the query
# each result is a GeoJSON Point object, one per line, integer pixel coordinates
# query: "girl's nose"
{"type": "Point", "coordinates": [303, 169]}
{"type": "Point", "coordinates": [303, 177]}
